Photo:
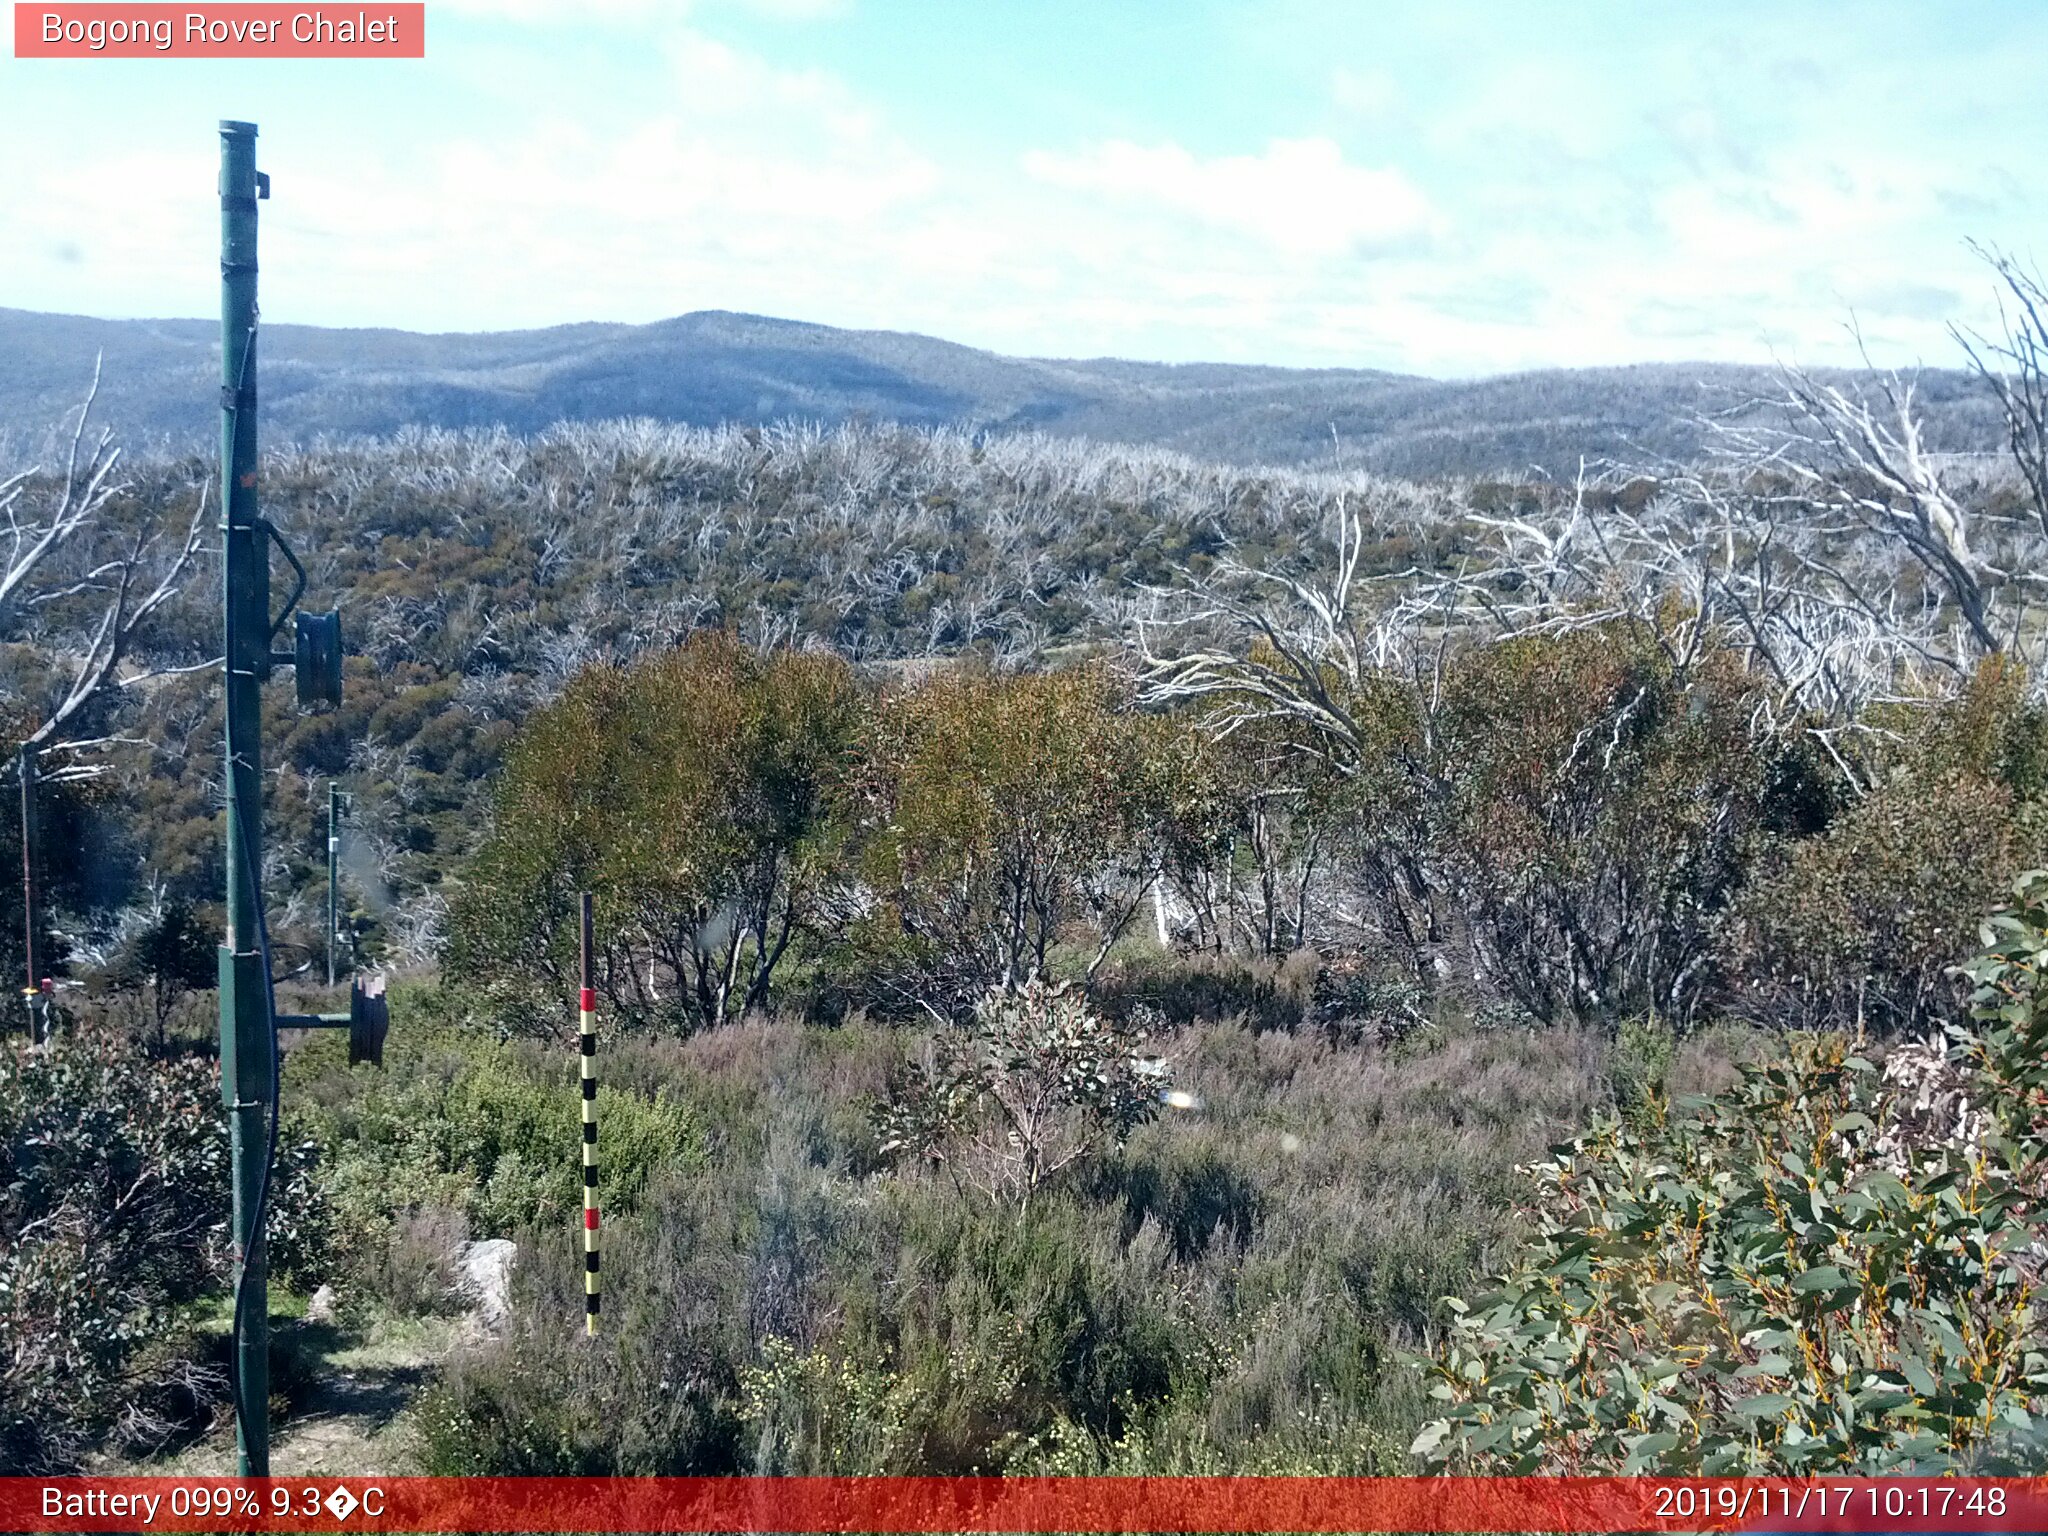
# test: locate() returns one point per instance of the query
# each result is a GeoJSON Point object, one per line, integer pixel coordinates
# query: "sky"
{"type": "Point", "coordinates": [1453, 188]}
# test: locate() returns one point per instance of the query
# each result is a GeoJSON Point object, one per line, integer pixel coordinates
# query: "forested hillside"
{"type": "Point", "coordinates": [713, 369]}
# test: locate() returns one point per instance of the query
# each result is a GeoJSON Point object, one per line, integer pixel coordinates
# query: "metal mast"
{"type": "Point", "coordinates": [249, 1019]}
{"type": "Point", "coordinates": [246, 1040]}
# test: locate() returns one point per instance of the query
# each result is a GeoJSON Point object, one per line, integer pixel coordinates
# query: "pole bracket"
{"type": "Point", "coordinates": [367, 1021]}
{"type": "Point", "coordinates": [298, 576]}
{"type": "Point", "coordinates": [241, 203]}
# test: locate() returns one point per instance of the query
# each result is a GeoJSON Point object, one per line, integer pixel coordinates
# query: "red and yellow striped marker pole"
{"type": "Point", "coordinates": [587, 1041]}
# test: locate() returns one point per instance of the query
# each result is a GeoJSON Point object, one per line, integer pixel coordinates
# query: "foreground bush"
{"type": "Point", "coordinates": [114, 1206]}
{"type": "Point", "coordinates": [1863, 923]}
{"type": "Point", "coordinates": [1829, 1268]}
{"type": "Point", "coordinates": [1001, 812]}
{"type": "Point", "coordinates": [1593, 807]}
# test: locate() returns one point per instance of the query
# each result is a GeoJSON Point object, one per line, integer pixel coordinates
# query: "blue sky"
{"type": "Point", "coordinates": [1450, 188]}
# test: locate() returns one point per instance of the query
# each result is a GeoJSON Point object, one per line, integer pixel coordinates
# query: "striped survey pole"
{"type": "Point", "coordinates": [587, 1004]}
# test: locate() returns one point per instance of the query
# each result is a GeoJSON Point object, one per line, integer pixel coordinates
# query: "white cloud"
{"type": "Point", "coordinates": [739, 185]}
{"type": "Point", "coordinates": [1299, 195]}
{"type": "Point", "coordinates": [1507, 227]}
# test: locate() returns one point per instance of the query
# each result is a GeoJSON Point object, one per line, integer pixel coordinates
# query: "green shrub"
{"type": "Point", "coordinates": [1595, 811]}
{"type": "Point", "coordinates": [487, 1131]}
{"type": "Point", "coordinates": [114, 1201]}
{"type": "Point", "coordinates": [1001, 1325]}
{"type": "Point", "coordinates": [1863, 925]}
{"type": "Point", "coordinates": [1250, 826]}
{"type": "Point", "coordinates": [824, 1413]}
{"type": "Point", "coordinates": [1191, 1188]}
{"type": "Point", "coordinates": [1003, 812]}
{"type": "Point", "coordinates": [1859, 919]}
{"type": "Point", "coordinates": [656, 1392]}
{"type": "Point", "coordinates": [1356, 1001]}
{"type": "Point", "coordinates": [1032, 1084]}
{"type": "Point", "coordinates": [1828, 1268]}
{"type": "Point", "coordinates": [544, 1401]}
{"type": "Point", "coordinates": [171, 954]}
{"type": "Point", "coordinates": [785, 1306]}
{"type": "Point", "coordinates": [84, 847]}
{"type": "Point", "coordinates": [1260, 992]}
{"type": "Point", "coordinates": [1639, 1068]}
{"type": "Point", "coordinates": [701, 796]}
{"type": "Point", "coordinates": [413, 1270]}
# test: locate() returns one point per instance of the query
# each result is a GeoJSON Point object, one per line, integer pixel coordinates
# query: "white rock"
{"type": "Point", "coordinates": [486, 1271]}
{"type": "Point", "coordinates": [320, 1305]}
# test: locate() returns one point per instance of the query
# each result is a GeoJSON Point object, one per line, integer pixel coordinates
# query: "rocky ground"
{"type": "Point", "coordinates": [345, 1389]}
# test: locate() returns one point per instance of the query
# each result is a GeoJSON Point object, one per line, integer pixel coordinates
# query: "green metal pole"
{"type": "Point", "coordinates": [333, 851]}
{"type": "Point", "coordinates": [245, 590]}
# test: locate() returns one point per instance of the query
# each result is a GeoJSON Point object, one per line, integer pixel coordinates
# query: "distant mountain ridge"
{"type": "Point", "coordinates": [160, 384]}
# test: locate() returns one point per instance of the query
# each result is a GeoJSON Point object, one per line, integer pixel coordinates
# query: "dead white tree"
{"type": "Point", "coordinates": [2015, 366]}
{"type": "Point", "coordinates": [1868, 459]}
{"type": "Point", "coordinates": [1307, 657]}
{"type": "Point", "coordinates": [1711, 559]}
{"type": "Point", "coordinates": [1786, 550]}
{"type": "Point", "coordinates": [89, 586]}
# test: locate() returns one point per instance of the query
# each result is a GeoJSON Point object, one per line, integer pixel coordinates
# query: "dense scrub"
{"type": "Point", "coordinates": [477, 573]}
{"type": "Point", "coordinates": [1831, 1267]}
{"type": "Point", "coordinates": [1026, 1049]}
{"type": "Point", "coordinates": [114, 1203]}
{"type": "Point", "coordinates": [114, 1206]}
{"type": "Point", "coordinates": [1568, 828]}
{"type": "Point", "coordinates": [801, 1302]}
{"type": "Point", "coordinates": [463, 1134]}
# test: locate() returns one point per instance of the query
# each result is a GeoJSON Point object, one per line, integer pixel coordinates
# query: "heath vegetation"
{"type": "Point", "coordinates": [1093, 948]}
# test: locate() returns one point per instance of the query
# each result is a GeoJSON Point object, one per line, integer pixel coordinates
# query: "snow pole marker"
{"type": "Point", "coordinates": [587, 1045]}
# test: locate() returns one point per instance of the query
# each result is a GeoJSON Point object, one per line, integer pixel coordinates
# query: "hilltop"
{"type": "Point", "coordinates": [712, 368]}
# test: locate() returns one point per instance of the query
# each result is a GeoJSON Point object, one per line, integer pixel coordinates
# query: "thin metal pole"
{"type": "Point", "coordinates": [333, 850]}
{"type": "Point", "coordinates": [25, 761]}
{"type": "Point", "coordinates": [245, 613]}
{"type": "Point", "coordinates": [586, 1002]}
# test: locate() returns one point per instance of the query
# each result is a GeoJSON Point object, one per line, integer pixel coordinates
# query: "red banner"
{"type": "Point", "coordinates": [1022, 1504]}
{"type": "Point", "coordinates": [217, 31]}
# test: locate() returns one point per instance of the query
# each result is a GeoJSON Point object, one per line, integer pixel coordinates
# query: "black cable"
{"type": "Point", "coordinates": [260, 1206]}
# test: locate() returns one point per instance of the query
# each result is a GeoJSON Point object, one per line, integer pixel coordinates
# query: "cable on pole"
{"type": "Point", "coordinates": [252, 1266]}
